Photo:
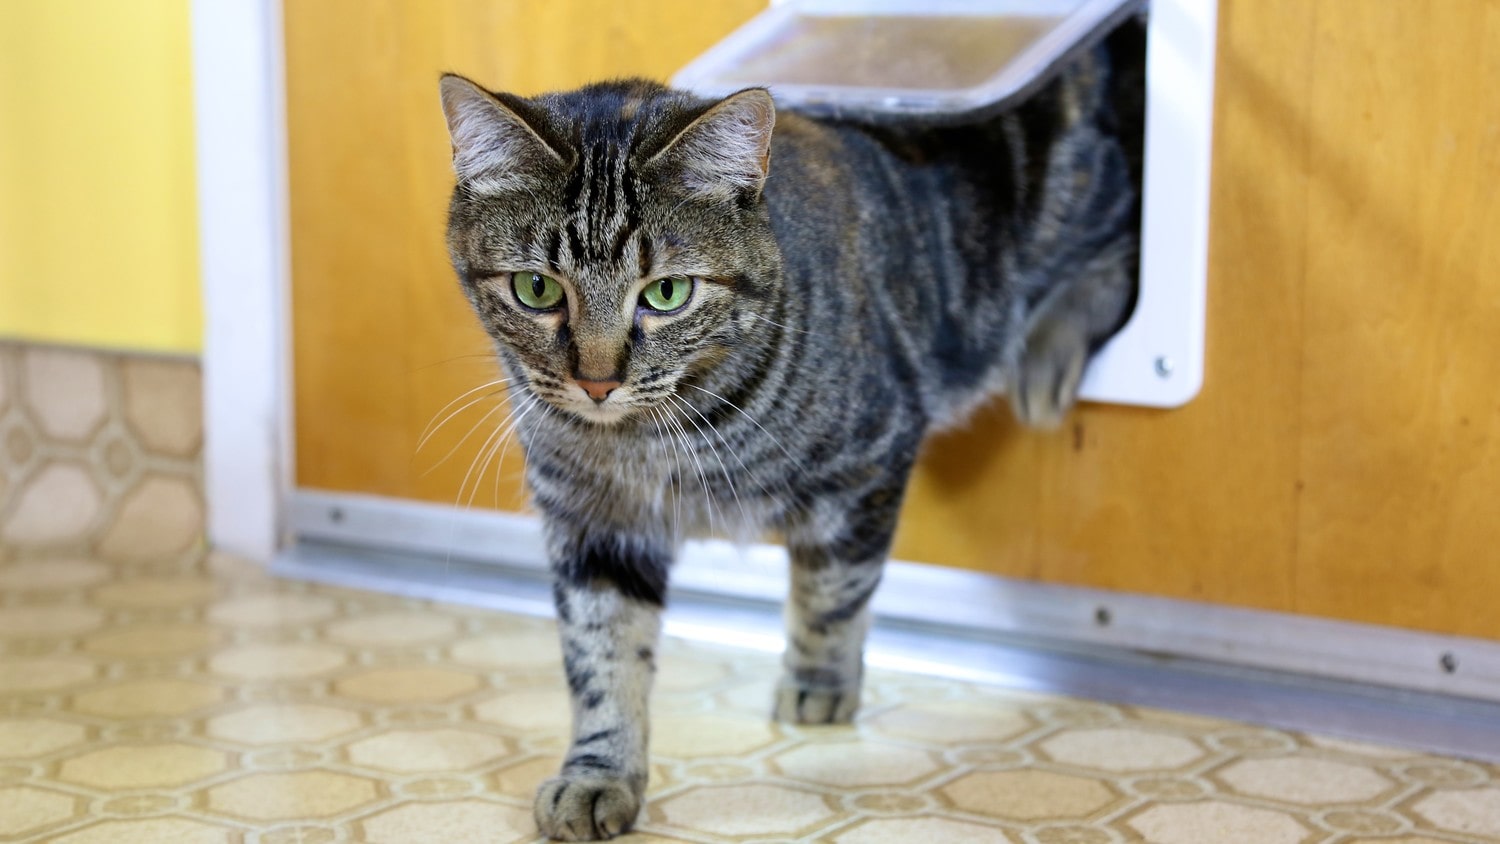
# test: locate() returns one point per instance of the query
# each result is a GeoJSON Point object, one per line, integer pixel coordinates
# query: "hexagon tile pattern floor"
{"type": "Point", "coordinates": [205, 702]}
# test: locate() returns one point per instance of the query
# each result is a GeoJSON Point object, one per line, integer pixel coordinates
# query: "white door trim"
{"type": "Point", "coordinates": [240, 108]}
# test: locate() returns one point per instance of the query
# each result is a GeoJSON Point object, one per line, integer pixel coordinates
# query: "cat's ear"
{"type": "Point", "coordinates": [495, 148]}
{"type": "Point", "coordinates": [727, 150]}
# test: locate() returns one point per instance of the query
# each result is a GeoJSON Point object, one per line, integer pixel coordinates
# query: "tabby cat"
{"type": "Point", "coordinates": [720, 318]}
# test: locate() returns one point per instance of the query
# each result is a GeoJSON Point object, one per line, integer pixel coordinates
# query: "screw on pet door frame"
{"type": "Point", "coordinates": [1164, 366]}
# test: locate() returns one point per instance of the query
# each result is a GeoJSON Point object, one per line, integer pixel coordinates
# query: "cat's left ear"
{"type": "Point", "coordinates": [727, 149]}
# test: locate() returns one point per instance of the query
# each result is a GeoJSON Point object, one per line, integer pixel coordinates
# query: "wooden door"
{"type": "Point", "coordinates": [1342, 460]}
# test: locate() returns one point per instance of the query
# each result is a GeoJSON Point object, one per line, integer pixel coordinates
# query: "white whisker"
{"type": "Point", "coordinates": [728, 476]}
{"type": "Point", "coordinates": [448, 561]}
{"type": "Point", "coordinates": [778, 324]}
{"type": "Point", "coordinates": [484, 447]}
{"type": "Point", "coordinates": [456, 446]}
{"type": "Point", "coordinates": [753, 421]}
{"type": "Point", "coordinates": [785, 485]}
{"type": "Point", "coordinates": [431, 429]}
{"type": "Point", "coordinates": [677, 463]}
{"type": "Point", "coordinates": [702, 476]}
{"type": "Point", "coordinates": [505, 434]}
{"type": "Point", "coordinates": [508, 439]}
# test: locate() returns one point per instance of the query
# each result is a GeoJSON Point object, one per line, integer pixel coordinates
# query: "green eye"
{"type": "Point", "coordinates": [536, 290]}
{"type": "Point", "coordinates": [667, 294]}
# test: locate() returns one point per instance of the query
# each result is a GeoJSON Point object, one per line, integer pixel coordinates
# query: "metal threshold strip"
{"type": "Point", "coordinates": [1417, 720]}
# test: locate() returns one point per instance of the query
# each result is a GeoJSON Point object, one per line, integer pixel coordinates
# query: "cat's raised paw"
{"type": "Point", "coordinates": [570, 808]}
{"type": "Point", "coordinates": [1043, 384]}
{"type": "Point", "coordinates": [797, 705]}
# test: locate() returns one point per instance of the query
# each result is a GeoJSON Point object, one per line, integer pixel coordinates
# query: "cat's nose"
{"type": "Point", "coordinates": [597, 390]}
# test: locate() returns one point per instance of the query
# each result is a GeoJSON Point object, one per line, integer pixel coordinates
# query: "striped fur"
{"type": "Point", "coordinates": [879, 283]}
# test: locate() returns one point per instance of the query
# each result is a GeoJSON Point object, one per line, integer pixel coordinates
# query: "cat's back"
{"type": "Point", "coordinates": [930, 242]}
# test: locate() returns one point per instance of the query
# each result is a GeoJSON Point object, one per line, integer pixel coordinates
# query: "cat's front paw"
{"type": "Point", "coordinates": [585, 808]}
{"type": "Point", "coordinates": [802, 705]}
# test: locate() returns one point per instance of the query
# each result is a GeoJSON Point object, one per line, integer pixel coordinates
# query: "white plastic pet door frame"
{"type": "Point", "coordinates": [1156, 360]}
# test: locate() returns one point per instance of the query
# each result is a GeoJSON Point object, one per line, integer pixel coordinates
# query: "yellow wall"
{"type": "Point", "coordinates": [98, 216]}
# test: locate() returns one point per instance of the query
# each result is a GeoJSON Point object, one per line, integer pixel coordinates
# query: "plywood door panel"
{"type": "Point", "coordinates": [1341, 460]}
{"type": "Point", "coordinates": [1400, 445]}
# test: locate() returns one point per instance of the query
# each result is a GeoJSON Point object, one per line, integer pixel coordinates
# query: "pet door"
{"type": "Point", "coordinates": [953, 59]}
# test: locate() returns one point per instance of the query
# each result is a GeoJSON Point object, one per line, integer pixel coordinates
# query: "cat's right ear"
{"type": "Point", "coordinates": [494, 147]}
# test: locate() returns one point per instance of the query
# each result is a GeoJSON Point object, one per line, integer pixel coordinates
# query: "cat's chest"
{"type": "Point", "coordinates": [628, 471]}
{"type": "Point", "coordinates": [672, 480]}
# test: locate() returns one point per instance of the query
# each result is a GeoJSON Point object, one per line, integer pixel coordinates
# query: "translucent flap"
{"type": "Point", "coordinates": [916, 57]}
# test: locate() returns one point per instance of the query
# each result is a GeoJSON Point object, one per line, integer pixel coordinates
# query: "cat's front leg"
{"type": "Point", "coordinates": [609, 590]}
{"type": "Point", "coordinates": [836, 566]}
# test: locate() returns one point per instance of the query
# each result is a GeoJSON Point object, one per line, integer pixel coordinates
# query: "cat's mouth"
{"type": "Point", "coordinates": [590, 406]}
{"type": "Point", "coordinates": [608, 413]}
{"type": "Point", "coordinates": [592, 402]}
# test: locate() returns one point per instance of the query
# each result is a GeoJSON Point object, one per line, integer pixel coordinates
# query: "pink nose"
{"type": "Point", "coordinates": [597, 390]}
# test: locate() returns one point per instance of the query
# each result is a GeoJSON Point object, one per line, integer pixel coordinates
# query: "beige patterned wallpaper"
{"type": "Point", "coordinates": [99, 454]}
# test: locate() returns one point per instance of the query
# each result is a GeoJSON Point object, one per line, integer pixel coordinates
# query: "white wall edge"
{"type": "Point", "coordinates": [239, 107]}
{"type": "Point", "coordinates": [956, 600]}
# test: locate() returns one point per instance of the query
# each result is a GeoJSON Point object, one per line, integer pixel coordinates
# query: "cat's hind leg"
{"type": "Point", "coordinates": [609, 590]}
{"type": "Point", "coordinates": [1072, 321]}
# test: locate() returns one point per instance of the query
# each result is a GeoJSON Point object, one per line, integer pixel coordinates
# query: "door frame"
{"type": "Point", "coordinates": [239, 105]}
{"type": "Point", "coordinates": [255, 511]}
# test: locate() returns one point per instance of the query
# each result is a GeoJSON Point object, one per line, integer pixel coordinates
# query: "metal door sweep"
{"type": "Point", "coordinates": [885, 59]}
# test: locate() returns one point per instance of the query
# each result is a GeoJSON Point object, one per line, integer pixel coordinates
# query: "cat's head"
{"type": "Point", "coordinates": [614, 240]}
